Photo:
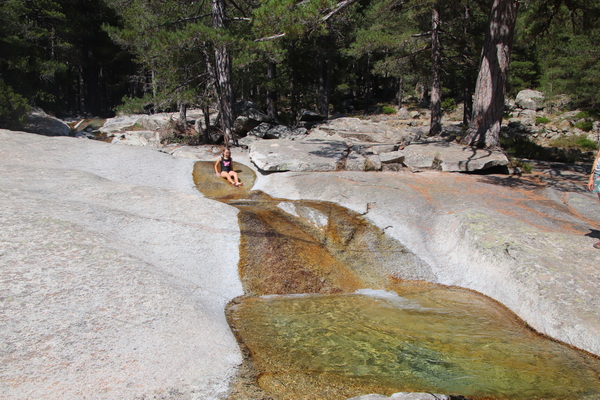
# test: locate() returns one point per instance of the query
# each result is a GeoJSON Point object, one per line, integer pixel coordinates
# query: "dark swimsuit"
{"type": "Point", "coordinates": [226, 164]}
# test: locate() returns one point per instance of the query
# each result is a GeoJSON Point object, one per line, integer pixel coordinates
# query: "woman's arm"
{"type": "Point", "coordinates": [591, 180]}
{"type": "Point", "coordinates": [217, 167]}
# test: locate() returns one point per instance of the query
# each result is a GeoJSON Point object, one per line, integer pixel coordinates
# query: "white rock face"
{"type": "Point", "coordinates": [292, 155]}
{"type": "Point", "coordinates": [114, 274]}
{"type": "Point", "coordinates": [530, 99]}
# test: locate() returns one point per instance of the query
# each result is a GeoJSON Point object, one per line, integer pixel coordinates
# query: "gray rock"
{"type": "Point", "coordinates": [138, 138]}
{"type": "Point", "coordinates": [373, 163]}
{"type": "Point", "coordinates": [37, 121]}
{"type": "Point", "coordinates": [392, 157]}
{"type": "Point", "coordinates": [311, 116]}
{"type": "Point", "coordinates": [279, 132]}
{"type": "Point", "coordinates": [118, 123]}
{"type": "Point", "coordinates": [403, 114]}
{"type": "Point", "coordinates": [367, 131]}
{"type": "Point", "coordinates": [248, 140]}
{"type": "Point", "coordinates": [530, 99]}
{"type": "Point", "coordinates": [383, 148]}
{"type": "Point", "coordinates": [300, 155]}
{"type": "Point", "coordinates": [452, 157]}
{"type": "Point", "coordinates": [98, 299]}
{"type": "Point", "coordinates": [356, 162]}
{"type": "Point", "coordinates": [530, 114]}
{"type": "Point", "coordinates": [261, 130]}
{"type": "Point", "coordinates": [248, 117]}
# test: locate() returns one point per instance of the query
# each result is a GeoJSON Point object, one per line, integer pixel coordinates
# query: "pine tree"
{"type": "Point", "coordinates": [488, 105]}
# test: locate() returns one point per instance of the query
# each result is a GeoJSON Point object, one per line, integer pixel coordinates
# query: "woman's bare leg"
{"type": "Point", "coordinates": [236, 179]}
{"type": "Point", "coordinates": [228, 177]}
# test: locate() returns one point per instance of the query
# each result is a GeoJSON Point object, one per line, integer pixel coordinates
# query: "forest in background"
{"type": "Point", "coordinates": [98, 57]}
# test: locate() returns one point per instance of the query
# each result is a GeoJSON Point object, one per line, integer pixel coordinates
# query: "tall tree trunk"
{"type": "Point", "coordinates": [435, 127]}
{"type": "Point", "coordinates": [271, 90]}
{"type": "Point", "coordinates": [206, 114]}
{"type": "Point", "coordinates": [399, 91]}
{"type": "Point", "coordinates": [223, 76]}
{"type": "Point", "coordinates": [467, 106]}
{"type": "Point", "coordinates": [183, 113]}
{"type": "Point", "coordinates": [325, 78]}
{"type": "Point", "coordinates": [488, 103]}
{"type": "Point", "coordinates": [467, 93]}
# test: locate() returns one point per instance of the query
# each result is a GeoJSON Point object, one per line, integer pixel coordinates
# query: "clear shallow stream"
{"type": "Point", "coordinates": [359, 329]}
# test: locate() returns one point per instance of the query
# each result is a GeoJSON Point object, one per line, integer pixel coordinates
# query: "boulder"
{"type": "Point", "coordinates": [284, 132]}
{"type": "Point", "coordinates": [393, 157]}
{"type": "Point", "coordinates": [403, 114]}
{"type": "Point", "coordinates": [530, 99]}
{"type": "Point", "coordinates": [383, 148]}
{"type": "Point", "coordinates": [298, 155]}
{"type": "Point", "coordinates": [248, 117]}
{"type": "Point", "coordinates": [138, 138]}
{"type": "Point", "coordinates": [261, 130]}
{"type": "Point", "coordinates": [356, 162]}
{"type": "Point", "coordinates": [37, 121]}
{"type": "Point", "coordinates": [367, 131]}
{"type": "Point", "coordinates": [118, 124]}
{"type": "Point", "coordinates": [311, 116]}
{"type": "Point", "coordinates": [452, 157]}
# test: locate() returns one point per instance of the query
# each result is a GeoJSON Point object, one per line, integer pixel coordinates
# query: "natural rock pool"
{"type": "Point", "coordinates": [334, 308]}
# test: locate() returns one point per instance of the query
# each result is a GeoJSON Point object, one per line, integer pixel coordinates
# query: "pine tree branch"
{"type": "Point", "coordinates": [264, 39]}
{"type": "Point", "coordinates": [339, 7]}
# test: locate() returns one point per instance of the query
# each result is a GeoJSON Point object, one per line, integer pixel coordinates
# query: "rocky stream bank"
{"type": "Point", "coordinates": [115, 270]}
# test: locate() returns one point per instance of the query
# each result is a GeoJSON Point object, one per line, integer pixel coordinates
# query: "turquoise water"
{"type": "Point", "coordinates": [442, 340]}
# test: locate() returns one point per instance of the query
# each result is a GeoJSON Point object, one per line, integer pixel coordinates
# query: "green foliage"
{"type": "Point", "coordinates": [524, 166]}
{"type": "Point", "coordinates": [584, 125]}
{"type": "Point", "coordinates": [523, 147]}
{"type": "Point", "coordinates": [449, 104]}
{"type": "Point", "coordinates": [565, 35]}
{"type": "Point", "coordinates": [541, 120]}
{"type": "Point", "coordinates": [586, 114]}
{"type": "Point", "coordinates": [13, 107]}
{"type": "Point", "coordinates": [388, 110]}
{"type": "Point", "coordinates": [135, 105]}
{"type": "Point", "coordinates": [581, 142]}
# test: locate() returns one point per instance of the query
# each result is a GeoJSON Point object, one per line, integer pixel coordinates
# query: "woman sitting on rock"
{"type": "Point", "coordinates": [225, 165]}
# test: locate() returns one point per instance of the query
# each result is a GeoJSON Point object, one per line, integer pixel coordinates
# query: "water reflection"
{"type": "Point", "coordinates": [326, 316]}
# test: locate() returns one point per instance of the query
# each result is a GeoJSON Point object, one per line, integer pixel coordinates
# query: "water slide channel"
{"type": "Point", "coordinates": [328, 314]}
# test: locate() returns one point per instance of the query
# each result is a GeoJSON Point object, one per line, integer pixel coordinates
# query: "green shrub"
{"type": "Point", "coordinates": [135, 105]}
{"type": "Point", "coordinates": [13, 107]}
{"type": "Point", "coordinates": [523, 147]}
{"type": "Point", "coordinates": [388, 110]}
{"type": "Point", "coordinates": [585, 125]}
{"type": "Point", "coordinates": [580, 142]}
{"type": "Point", "coordinates": [449, 104]}
{"type": "Point", "coordinates": [524, 166]}
{"type": "Point", "coordinates": [541, 120]}
{"type": "Point", "coordinates": [582, 115]}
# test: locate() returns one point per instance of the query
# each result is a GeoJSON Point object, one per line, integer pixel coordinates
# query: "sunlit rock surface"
{"type": "Point", "coordinates": [114, 273]}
